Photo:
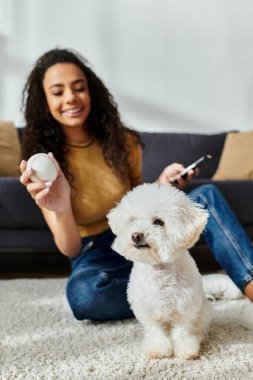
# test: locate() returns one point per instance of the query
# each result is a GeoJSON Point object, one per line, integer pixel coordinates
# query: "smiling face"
{"type": "Point", "coordinates": [68, 97]}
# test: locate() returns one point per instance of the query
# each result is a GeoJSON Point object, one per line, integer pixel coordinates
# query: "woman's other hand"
{"type": "Point", "coordinates": [172, 173]}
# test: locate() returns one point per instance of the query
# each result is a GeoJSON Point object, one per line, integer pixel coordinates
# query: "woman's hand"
{"type": "Point", "coordinates": [54, 200]}
{"type": "Point", "coordinates": [172, 172]}
{"type": "Point", "coordinates": [54, 196]}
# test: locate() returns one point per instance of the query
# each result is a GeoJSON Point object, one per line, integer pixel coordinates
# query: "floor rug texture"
{"type": "Point", "coordinates": [40, 339]}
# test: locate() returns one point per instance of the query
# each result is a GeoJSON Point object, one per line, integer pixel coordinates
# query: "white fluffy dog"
{"type": "Point", "coordinates": [155, 225]}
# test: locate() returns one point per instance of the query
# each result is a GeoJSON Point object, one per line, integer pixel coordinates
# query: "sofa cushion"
{"type": "Point", "coordinates": [162, 149]}
{"type": "Point", "coordinates": [10, 153]}
{"type": "Point", "coordinates": [236, 161]}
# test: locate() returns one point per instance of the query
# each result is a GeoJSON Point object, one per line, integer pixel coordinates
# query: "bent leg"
{"type": "Point", "coordinates": [225, 236]}
{"type": "Point", "coordinates": [96, 288]}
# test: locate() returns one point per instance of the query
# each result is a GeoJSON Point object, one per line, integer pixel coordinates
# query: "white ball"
{"type": "Point", "coordinates": [44, 168]}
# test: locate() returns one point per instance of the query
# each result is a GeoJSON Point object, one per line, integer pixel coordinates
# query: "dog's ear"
{"type": "Point", "coordinates": [194, 221]}
{"type": "Point", "coordinates": [114, 220]}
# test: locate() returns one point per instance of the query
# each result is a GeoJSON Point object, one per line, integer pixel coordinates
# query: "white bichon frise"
{"type": "Point", "coordinates": [155, 225]}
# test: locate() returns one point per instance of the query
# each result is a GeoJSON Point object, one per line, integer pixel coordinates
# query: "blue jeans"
{"type": "Point", "coordinates": [225, 236]}
{"type": "Point", "coordinates": [96, 288]}
{"type": "Point", "coordinates": [97, 285]}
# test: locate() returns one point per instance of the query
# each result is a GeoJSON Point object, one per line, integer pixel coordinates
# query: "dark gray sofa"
{"type": "Point", "coordinates": [27, 244]}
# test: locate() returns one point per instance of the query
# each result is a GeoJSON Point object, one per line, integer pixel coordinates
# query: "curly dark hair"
{"type": "Point", "coordinates": [43, 133]}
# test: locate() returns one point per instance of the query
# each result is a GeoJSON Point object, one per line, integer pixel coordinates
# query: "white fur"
{"type": "Point", "coordinates": [165, 288]}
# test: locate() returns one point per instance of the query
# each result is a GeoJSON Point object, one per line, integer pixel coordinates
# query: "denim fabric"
{"type": "Point", "coordinates": [225, 236]}
{"type": "Point", "coordinates": [96, 288]}
{"type": "Point", "coordinates": [97, 285]}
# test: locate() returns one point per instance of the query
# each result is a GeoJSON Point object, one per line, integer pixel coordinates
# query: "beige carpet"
{"type": "Point", "coordinates": [41, 340]}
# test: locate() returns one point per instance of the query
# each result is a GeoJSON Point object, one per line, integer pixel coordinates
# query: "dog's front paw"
{"type": "Point", "coordinates": [187, 348]}
{"type": "Point", "coordinates": [158, 346]}
{"type": "Point", "coordinates": [187, 355]}
{"type": "Point", "coordinates": [158, 355]}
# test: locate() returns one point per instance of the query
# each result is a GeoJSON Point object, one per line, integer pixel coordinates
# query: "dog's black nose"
{"type": "Point", "coordinates": [137, 237]}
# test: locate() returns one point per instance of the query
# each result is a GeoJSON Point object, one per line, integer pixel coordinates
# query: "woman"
{"type": "Point", "coordinates": [70, 113]}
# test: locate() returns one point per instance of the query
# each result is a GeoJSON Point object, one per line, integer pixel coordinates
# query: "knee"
{"type": "Point", "coordinates": [209, 192]}
{"type": "Point", "coordinates": [97, 298]}
{"type": "Point", "coordinates": [85, 300]}
{"type": "Point", "coordinates": [209, 188]}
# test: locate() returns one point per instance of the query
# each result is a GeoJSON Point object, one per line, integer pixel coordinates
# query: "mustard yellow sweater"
{"type": "Point", "coordinates": [96, 189]}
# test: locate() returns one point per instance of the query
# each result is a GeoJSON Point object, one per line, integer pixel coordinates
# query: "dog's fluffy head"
{"type": "Point", "coordinates": [155, 223]}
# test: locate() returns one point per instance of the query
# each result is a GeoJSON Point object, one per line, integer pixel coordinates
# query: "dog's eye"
{"type": "Point", "coordinates": [158, 222]}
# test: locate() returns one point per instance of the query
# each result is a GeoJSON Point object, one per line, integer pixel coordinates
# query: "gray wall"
{"type": "Point", "coordinates": [175, 65]}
